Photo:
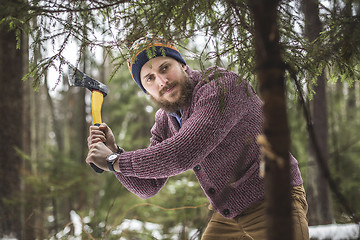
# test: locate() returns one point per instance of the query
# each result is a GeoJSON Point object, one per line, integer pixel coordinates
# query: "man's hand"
{"type": "Point", "coordinates": [97, 154]}
{"type": "Point", "coordinates": [101, 143]}
{"type": "Point", "coordinates": [102, 134]}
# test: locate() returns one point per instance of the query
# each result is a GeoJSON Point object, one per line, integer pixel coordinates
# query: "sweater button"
{"type": "Point", "coordinates": [211, 190]}
{"type": "Point", "coordinates": [197, 168]}
{"type": "Point", "coordinates": [226, 212]}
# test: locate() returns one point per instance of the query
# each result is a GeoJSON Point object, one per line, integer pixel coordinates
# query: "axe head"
{"type": "Point", "coordinates": [80, 79]}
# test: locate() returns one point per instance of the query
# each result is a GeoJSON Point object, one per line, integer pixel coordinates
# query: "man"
{"type": "Point", "coordinates": [207, 122]}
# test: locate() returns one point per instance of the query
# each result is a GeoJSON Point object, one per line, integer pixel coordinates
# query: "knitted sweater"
{"type": "Point", "coordinates": [217, 140]}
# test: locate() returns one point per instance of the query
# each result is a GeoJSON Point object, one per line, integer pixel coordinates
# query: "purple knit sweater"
{"type": "Point", "coordinates": [217, 140]}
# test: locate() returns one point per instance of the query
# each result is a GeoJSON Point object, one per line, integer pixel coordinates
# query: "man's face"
{"type": "Point", "coordinates": [166, 81]}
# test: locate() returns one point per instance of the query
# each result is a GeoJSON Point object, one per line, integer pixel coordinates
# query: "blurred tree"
{"type": "Point", "coordinates": [344, 148]}
{"type": "Point", "coordinates": [11, 112]}
{"type": "Point", "coordinates": [317, 186]}
{"type": "Point", "coordinates": [27, 201]}
{"type": "Point", "coordinates": [271, 77]}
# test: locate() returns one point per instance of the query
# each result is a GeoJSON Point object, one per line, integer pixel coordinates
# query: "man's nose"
{"type": "Point", "coordinates": [162, 80]}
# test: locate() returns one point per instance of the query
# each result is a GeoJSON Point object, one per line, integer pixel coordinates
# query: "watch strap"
{"type": "Point", "coordinates": [119, 150]}
{"type": "Point", "coordinates": [111, 166]}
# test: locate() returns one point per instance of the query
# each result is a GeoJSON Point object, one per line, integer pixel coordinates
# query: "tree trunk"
{"type": "Point", "coordinates": [39, 125]}
{"type": "Point", "coordinates": [272, 91]}
{"type": "Point", "coordinates": [11, 113]}
{"type": "Point", "coordinates": [351, 109]}
{"type": "Point", "coordinates": [56, 122]}
{"type": "Point", "coordinates": [29, 203]}
{"type": "Point", "coordinates": [318, 188]}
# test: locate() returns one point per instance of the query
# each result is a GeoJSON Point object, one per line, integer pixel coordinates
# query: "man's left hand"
{"type": "Point", "coordinates": [97, 155]}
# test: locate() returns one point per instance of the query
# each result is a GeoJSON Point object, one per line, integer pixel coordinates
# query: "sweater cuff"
{"type": "Point", "coordinates": [125, 166]}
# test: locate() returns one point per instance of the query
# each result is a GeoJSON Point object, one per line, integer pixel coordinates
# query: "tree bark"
{"type": "Point", "coordinates": [38, 140]}
{"type": "Point", "coordinates": [272, 91]}
{"type": "Point", "coordinates": [28, 200]}
{"type": "Point", "coordinates": [11, 113]}
{"type": "Point", "coordinates": [317, 188]}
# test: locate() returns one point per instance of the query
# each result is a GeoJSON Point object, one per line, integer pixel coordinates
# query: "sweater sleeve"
{"type": "Point", "coordinates": [217, 106]}
{"type": "Point", "coordinates": [143, 188]}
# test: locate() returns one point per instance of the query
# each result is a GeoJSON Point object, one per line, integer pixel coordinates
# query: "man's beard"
{"type": "Point", "coordinates": [186, 90]}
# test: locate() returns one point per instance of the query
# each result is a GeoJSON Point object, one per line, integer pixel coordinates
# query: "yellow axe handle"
{"type": "Point", "coordinates": [97, 99]}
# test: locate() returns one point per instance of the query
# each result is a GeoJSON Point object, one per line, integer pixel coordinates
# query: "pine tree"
{"type": "Point", "coordinates": [11, 112]}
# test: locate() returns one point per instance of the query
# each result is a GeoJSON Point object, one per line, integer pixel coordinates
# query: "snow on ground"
{"type": "Point", "coordinates": [322, 232]}
{"type": "Point", "coordinates": [136, 225]}
{"type": "Point", "coordinates": [349, 231]}
{"type": "Point", "coordinates": [335, 231]}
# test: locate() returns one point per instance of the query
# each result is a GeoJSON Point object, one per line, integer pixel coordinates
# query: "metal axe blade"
{"type": "Point", "coordinates": [80, 79]}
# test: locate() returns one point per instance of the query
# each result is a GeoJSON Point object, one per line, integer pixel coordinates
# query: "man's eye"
{"type": "Point", "coordinates": [164, 68]}
{"type": "Point", "coordinates": [150, 78]}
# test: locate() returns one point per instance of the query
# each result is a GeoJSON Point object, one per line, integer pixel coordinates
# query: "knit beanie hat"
{"type": "Point", "coordinates": [146, 48]}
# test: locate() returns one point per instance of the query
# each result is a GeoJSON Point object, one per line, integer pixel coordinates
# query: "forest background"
{"type": "Point", "coordinates": [44, 179]}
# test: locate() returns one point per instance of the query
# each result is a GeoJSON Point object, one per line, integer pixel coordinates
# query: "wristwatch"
{"type": "Point", "coordinates": [111, 158]}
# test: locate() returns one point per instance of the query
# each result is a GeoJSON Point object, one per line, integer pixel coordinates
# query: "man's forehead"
{"type": "Point", "coordinates": [156, 61]}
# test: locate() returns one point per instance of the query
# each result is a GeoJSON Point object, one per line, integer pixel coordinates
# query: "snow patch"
{"type": "Point", "coordinates": [138, 226]}
{"type": "Point", "coordinates": [335, 231]}
{"type": "Point", "coordinates": [76, 219]}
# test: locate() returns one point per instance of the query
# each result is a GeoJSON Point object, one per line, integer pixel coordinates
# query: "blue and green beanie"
{"type": "Point", "coordinates": [146, 48]}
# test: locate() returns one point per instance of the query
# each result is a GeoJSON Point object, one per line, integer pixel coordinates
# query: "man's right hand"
{"type": "Point", "coordinates": [103, 134]}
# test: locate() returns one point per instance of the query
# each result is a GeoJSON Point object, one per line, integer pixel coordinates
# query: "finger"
{"type": "Point", "coordinates": [108, 133]}
{"type": "Point", "coordinates": [95, 130]}
{"type": "Point", "coordinates": [93, 127]}
{"type": "Point", "coordinates": [104, 127]}
{"type": "Point", "coordinates": [97, 133]}
{"type": "Point", "coordinates": [88, 159]}
{"type": "Point", "coordinates": [92, 140]}
{"type": "Point", "coordinates": [89, 141]}
{"type": "Point", "coordinates": [91, 154]}
{"type": "Point", "coordinates": [100, 137]}
{"type": "Point", "coordinates": [95, 141]}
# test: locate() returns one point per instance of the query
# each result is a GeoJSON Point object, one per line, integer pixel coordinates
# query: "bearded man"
{"type": "Point", "coordinates": [208, 122]}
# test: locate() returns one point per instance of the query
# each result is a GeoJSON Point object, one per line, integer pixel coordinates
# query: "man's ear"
{"type": "Point", "coordinates": [183, 66]}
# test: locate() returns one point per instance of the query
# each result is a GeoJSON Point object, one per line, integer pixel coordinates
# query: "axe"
{"type": "Point", "coordinates": [98, 92]}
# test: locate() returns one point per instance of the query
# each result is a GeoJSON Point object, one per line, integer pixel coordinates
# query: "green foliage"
{"type": "Point", "coordinates": [14, 24]}
{"type": "Point", "coordinates": [226, 25]}
{"type": "Point", "coordinates": [59, 181]}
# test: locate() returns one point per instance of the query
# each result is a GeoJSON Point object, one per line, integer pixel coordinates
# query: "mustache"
{"type": "Point", "coordinates": [167, 87]}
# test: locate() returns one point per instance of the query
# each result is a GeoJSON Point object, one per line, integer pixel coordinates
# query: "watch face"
{"type": "Point", "coordinates": [112, 157]}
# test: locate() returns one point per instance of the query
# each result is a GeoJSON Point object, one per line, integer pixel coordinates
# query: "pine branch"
{"type": "Point", "coordinates": [64, 9]}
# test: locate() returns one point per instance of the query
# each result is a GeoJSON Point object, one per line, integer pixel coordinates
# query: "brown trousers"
{"type": "Point", "coordinates": [251, 224]}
